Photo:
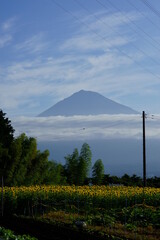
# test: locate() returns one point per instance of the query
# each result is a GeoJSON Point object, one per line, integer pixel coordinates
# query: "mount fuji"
{"type": "Point", "coordinates": [86, 103]}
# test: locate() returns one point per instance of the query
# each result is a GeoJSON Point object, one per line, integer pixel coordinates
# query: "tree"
{"type": "Point", "coordinates": [136, 180]}
{"type": "Point", "coordinates": [38, 169]}
{"type": "Point", "coordinates": [24, 152]}
{"type": "Point", "coordinates": [6, 131]}
{"type": "Point", "coordinates": [6, 140]}
{"type": "Point", "coordinates": [28, 165]}
{"type": "Point", "coordinates": [77, 166]}
{"type": "Point", "coordinates": [85, 161]}
{"type": "Point", "coordinates": [98, 172]}
{"type": "Point", "coordinates": [81, 171]}
{"type": "Point", "coordinates": [21, 163]}
{"type": "Point", "coordinates": [126, 180]}
{"type": "Point", "coordinates": [86, 154]}
{"type": "Point", "coordinates": [71, 166]}
{"type": "Point", "coordinates": [84, 164]}
{"type": "Point", "coordinates": [55, 174]}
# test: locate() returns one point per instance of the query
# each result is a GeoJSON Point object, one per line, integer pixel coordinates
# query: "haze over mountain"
{"type": "Point", "coordinates": [86, 103]}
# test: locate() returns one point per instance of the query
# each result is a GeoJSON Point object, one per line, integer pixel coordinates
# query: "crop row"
{"type": "Point", "coordinates": [19, 199]}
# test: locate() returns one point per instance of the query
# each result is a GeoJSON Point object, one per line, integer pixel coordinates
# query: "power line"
{"type": "Point", "coordinates": [124, 121]}
{"type": "Point", "coordinates": [155, 11]}
{"type": "Point", "coordinates": [104, 39]}
{"type": "Point", "coordinates": [150, 116]}
{"type": "Point", "coordinates": [141, 29]}
{"type": "Point", "coordinates": [153, 116]}
{"type": "Point", "coordinates": [106, 24]}
{"type": "Point", "coordinates": [149, 20]}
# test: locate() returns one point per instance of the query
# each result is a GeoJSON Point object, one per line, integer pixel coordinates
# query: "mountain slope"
{"type": "Point", "coordinates": [86, 103]}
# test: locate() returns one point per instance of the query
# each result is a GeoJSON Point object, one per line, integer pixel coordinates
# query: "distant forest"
{"type": "Point", "coordinates": [21, 163]}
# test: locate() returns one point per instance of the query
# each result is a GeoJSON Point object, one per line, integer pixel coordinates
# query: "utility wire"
{"type": "Point", "coordinates": [141, 29]}
{"type": "Point", "coordinates": [153, 116]}
{"type": "Point", "coordinates": [106, 24]}
{"type": "Point", "coordinates": [104, 39]}
{"type": "Point", "coordinates": [155, 11]}
{"type": "Point", "coordinates": [144, 15]}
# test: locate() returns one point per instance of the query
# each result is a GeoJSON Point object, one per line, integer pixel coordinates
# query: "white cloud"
{"type": "Point", "coordinates": [84, 61]}
{"type": "Point", "coordinates": [45, 77]}
{"type": "Point", "coordinates": [33, 45]}
{"type": "Point", "coordinates": [5, 32]}
{"type": "Point", "coordinates": [7, 25]}
{"type": "Point", "coordinates": [102, 34]}
{"type": "Point", "coordinates": [16, 95]}
{"type": "Point", "coordinates": [85, 127]}
{"type": "Point", "coordinates": [4, 40]}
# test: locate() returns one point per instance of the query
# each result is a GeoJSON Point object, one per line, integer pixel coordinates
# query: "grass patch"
{"type": "Point", "coordinates": [7, 234]}
{"type": "Point", "coordinates": [104, 225]}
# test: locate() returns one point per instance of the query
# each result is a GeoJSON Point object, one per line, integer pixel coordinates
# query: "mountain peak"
{"type": "Point", "coordinates": [86, 103]}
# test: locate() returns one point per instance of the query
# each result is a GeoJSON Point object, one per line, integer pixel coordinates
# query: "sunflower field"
{"type": "Point", "coordinates": [105, 206]}
{"type": "Point", "coordinates": [17, 199]}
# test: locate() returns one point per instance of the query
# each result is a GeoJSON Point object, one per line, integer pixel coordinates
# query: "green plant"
{"type": "Point", "coordinates": [7, 234]}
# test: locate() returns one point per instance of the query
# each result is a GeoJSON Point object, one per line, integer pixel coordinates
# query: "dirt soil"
{"type": "Point", "coordinates": [43, 231]}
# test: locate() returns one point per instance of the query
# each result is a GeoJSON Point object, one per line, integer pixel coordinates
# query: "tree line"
{"type": "Point", "coordinates": [133, 180]}
{"type": "Point", "coordinates": [21, 163]}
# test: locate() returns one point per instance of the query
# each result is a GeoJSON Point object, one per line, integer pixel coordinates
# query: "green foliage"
{"type": "Point", "coordinates": [101, 219]}
{"type": "Point", "coordinates": [153, 182]}
{"type": "Point", "coordinates": [21, 163]}
{"type": "Point", "coordinates": [54, 173]}
{"type": "Point", "coordinates": [7, 234]}
{"type": "Point", "coordinates": [125, 180]}
{"type": "Point", "coordinates": [86, 154]}
{"type": "Point", "coordinates": [24, 153]}
{"type": "Point", "coordinates": [78, 166]}
{"type": "Point", "coordinates": [4, 159]}
{"type": "Point", "coordinates": [113, 210]}
{"type": "Point", "coordinates": [6, 131]}
{"type": "Point", "coordinates": [133, 180]}
{"type": "Point", "coordinates": [37, 169]}
{"type": "Point", "coordinates": [28, 166]}
{"type": "Point", "coordinates": [140, 215]}
{"type": "Point", "coordinates": [72, 161]}
{"type": "Point", "coordinates": [84, 164]}
{"type": "Point", "coordinates": [81, 171]}
{"type": "Point", "coordinates": [98, 172]}
{"type": "Point", "coordinates": [6, 139]}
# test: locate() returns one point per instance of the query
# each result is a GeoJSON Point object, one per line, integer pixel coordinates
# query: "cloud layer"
{"type": "Point", "coordinates": [97, 55]}
{"type": "Point", "coordinates": [86, 127]}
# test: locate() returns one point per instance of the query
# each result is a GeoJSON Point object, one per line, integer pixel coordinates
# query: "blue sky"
{"type": "Point", "coordinates": [50, 49]}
